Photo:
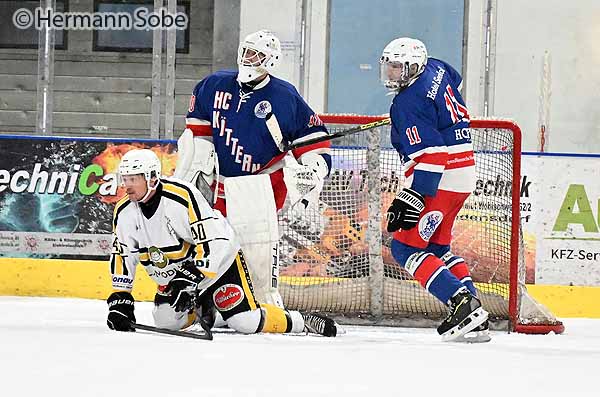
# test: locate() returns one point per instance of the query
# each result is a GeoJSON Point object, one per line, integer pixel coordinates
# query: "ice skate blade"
{"type": "Point", "coordinates": [474, 337]}
{"type": "Point", "coordinates": [475, 319]}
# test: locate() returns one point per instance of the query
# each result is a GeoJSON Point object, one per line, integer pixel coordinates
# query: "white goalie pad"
{"type": "Point", "coordinates": [197, 162]}
{"type": "Point", "coordinates": [194, 155]}
{"type": "Point", "coordinates": [251, 208]}
{"type": "Point", "coordinates": [252, 213]}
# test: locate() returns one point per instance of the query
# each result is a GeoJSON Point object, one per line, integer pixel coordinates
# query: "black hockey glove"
{"type": "Point", "coordinates": [120, 311]}
{"type": "Point", "coordinates": [183, 286]}
{"type": "Point", "coordinates": [405, 210]}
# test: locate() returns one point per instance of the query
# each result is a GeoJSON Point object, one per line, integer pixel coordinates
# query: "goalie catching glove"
{"type": "Point", "coordinates": [197, 163]}
{"type": "Point", "coordinates": [120, 311]}
{"type": "Point", "coordinates": [183, 287]}
{"type": "Point", "coordinates": [304, 180]}
{"type": "Point", "coordinates": [405, 210]}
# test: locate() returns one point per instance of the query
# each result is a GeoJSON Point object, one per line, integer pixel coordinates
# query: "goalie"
{"type": "Point", "coordinates": [193, 255]}
{"type": "Point", "coordinates": [236, 126]}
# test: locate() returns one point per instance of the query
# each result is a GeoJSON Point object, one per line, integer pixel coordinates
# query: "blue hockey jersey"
{"type": "Point", "coordinates": [430, 130]}
{"type": "Point", "coordinates": [234, 118]}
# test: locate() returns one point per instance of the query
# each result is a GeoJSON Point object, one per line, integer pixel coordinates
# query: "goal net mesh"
{"type": "Point", "coordinates": [336, 257]}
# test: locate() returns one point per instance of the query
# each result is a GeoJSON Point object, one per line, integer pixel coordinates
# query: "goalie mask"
{"type": "Point", "coordinates": [141, 161]}
{"type": "Point", "coordinates": [401, 62]}
{"type": "Point", "coordinates": [259, 53]}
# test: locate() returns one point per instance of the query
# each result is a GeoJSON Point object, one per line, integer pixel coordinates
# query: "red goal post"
{"type": "Point", "coordinates": [336, 258]}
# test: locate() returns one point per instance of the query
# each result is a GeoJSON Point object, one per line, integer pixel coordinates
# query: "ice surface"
{"type": "Point", "coordinates": [62, 347]}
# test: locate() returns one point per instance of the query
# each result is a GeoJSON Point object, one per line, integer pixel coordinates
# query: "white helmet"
{"type": "Point", "coordinates": [402, 61]}
{"type": "Point", "coordinates": [141, 161]}
{"type": "Point", "coordinates": [264, 56]}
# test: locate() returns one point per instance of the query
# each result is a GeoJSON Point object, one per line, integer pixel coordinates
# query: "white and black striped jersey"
{"type": "Point", "coordinates": [176, 225]}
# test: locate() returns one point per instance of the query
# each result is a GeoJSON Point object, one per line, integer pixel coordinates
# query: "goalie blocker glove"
{"type": "Point", "coordinates": [405, 210]}
{"type": "Point", "coordinates": [182, 287]}
{"type": "Point", "coordinates": [120, 311]}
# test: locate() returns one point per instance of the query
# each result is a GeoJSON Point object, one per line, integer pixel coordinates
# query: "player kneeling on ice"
{"type": "Point", "coordinates": [191, 252]}
{"type": "Point", "coordinates": [430, 131]}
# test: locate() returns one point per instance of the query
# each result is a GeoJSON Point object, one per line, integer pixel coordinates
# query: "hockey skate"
{"type": "Point", "coordinates": [465, 315]}
{"type": "Point", "coordinates": [319, 324]}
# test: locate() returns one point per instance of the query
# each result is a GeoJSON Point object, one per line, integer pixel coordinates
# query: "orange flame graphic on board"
{"type": "Point", "coordinates": [110, 158]}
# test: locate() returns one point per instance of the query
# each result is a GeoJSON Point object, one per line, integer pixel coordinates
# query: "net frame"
{"type": "Point", "coordinates": [537, 320]}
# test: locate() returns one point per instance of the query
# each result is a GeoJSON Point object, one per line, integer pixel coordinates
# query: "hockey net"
{"type": "Point", "coordinates": [336, 258]}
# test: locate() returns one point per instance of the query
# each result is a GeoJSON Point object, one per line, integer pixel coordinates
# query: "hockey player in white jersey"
{"type": "Point", "coordinates": [193, 255]}
{"type": "Point", "coordinates": [236, 125]}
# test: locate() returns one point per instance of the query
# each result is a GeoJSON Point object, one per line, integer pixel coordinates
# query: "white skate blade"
{"type": "Point", "coordinates": [477, 317]}
{"type": "Point", "coordinates": [475, 337]}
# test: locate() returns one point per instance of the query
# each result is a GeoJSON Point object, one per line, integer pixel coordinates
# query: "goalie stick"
{"type": "Point", "coordinates": [275, 131]}
{"type": "Point", "coordinates": [206, 336]}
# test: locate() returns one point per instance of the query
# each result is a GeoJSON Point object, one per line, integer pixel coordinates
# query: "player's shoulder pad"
{"type": "Point", "coordinates": [224, 74]}
{"type": "Point", "coordinates": [439, 72]}
{"type": "Point", "coordinates": [211, 81]}
{"type": "Point", "coordinates": [119, 208]}
{"type": "Point", "coordinates": [171, 181]}
{"type": "Point", "coordinates": [425, 89]}
{"type": "Point", "coordinates": [178, 187]}
{"type": "Point", "coordinates": [451, 74]}
{"type": "Point", "coordinates": [182, 192]}
{"type": "Point", "coordinates": [283, 86]}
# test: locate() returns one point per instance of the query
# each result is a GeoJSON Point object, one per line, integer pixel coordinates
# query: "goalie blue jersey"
{"type": "Point", "coordinates": [233, 116]}
{"type": "Point", "coordinates": [430, 130]}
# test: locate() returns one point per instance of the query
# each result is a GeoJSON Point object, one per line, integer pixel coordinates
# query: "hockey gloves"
{"type": "Point", "coordinates": [183, 287]}
{"type": "Point", "coordinates": [405, 210]}
{"type": "Point", "coordinates": [120, 311]}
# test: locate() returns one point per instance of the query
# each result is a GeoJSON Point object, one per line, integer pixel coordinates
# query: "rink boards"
{"type": "Point", "coordinates": [91, 279]}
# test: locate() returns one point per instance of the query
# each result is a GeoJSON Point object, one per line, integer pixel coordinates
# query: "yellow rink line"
{"type": "Point", "coordinates": [90, 279]}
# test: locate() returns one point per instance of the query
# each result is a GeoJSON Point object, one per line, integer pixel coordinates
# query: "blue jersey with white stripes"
{"type": "Point", "coordinates": [430, 130]}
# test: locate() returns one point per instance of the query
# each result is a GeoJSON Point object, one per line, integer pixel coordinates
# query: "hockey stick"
{"type": "Point", "coordinates": [275, 130]}
{"type": "Point", "coordinates": [206, 336]}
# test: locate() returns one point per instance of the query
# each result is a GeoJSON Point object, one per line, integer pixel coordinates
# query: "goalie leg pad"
{"type": "Point", "coordinates": [166, 317]}
{"type": "Point", "coordinates": [256, 227]}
